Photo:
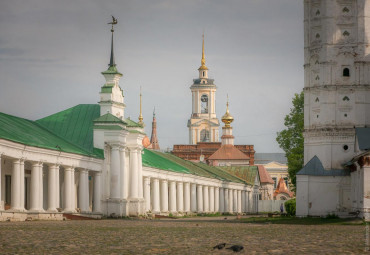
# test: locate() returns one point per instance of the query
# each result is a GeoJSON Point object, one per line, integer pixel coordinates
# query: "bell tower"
{"type": "Point", "coordinates": [203, 124]}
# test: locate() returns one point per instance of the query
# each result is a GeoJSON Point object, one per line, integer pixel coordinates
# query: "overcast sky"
{"type": "Point", "coordinates": [52, 53]}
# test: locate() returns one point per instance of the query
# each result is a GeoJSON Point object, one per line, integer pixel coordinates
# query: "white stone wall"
{"type": "Point", "coordinates": [323, 195]}
{"type": "Point", "coordinates": [336, 37]}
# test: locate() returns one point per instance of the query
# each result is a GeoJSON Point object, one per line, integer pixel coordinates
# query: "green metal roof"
{"type": "Point", "coordinates": [246, 173]}
{"type": "Point", "coordinates": [109, 118]}
{"type": "Point", "coordinates": [151, 159]}
{"type": "Point", "coordinates": [34, 134]}
{"type": "Point", "coordinates": [199, 169]}
{"type": "Point", "coordinates": [75, 125]}
{"type": "Point", "coordinates": [131, 123]}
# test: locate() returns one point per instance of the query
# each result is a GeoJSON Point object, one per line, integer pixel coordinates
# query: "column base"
{"type": "Point", "coordinates": [32, 210]}
{"type": "Point", "coordinates": [115, 207]}
{"type": "Point", "coordinates": [136, 206]}
{"type": "Point", "coordinates": [52, 210]}
{"type": "Point", "coordinates": [69, 210]}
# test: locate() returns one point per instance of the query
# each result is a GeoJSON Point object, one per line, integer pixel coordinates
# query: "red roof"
{"type": "Point", "coordinates": [228, 151]}
{"type": "Point", "coordinates": [282, 188]}
{"type": "Point", "coordinates": [264, 175]}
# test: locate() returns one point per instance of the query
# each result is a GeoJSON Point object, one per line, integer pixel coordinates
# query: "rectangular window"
{"type": "Point", "coordinates": [274, 179]}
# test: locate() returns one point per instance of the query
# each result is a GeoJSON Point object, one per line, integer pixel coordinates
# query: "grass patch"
{"type": "Point", "coordinates": [302, 221]}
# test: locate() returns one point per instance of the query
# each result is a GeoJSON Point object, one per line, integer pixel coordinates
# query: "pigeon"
{"type": "Point", "coordinates": [236, 248]}
{"type": "Point", "coordinates": [219, 246]}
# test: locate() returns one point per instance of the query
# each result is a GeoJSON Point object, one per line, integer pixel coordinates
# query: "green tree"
{"type": "Point", "coordinates": [291, 138]}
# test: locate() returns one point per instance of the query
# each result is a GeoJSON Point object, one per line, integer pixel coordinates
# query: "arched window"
{"type": "Point", "coordinates": [346, 72]}
{"type": "Point", "coordinates": [204, 104]}
{"type": "Point", "coordinates": [204, 135]}
{"type": "Point", "coordinates": [204, 73]}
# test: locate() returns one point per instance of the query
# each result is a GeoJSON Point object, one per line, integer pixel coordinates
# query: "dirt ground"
{"type": "Point", "coordinates": [178, 236]}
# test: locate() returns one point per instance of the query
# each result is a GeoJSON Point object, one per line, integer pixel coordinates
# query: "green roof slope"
{"type": "Point", "coordinates": [74, 124]}
{"type": "Point", "coordinates": [33, 134]}
{"type": "Point", "coordinates": [151, 159]}
{"type": "Point", "coordinates": [247, 173]}
{"type": "Point", "coordinates": [199, 169]}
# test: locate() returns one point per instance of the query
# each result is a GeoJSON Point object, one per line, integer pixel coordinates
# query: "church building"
{"type": "Point", "coordinates": [335, 176]}
{"type": "Point", "coordinates": [204, 127]}
{"type": "Point", "coordinates": [90, 160]}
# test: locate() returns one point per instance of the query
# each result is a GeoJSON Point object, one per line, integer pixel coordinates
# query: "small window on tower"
{"type": "Point", "coordinates": [346, 72]}
{"type": "Point", "coordinates": [204, 104]}
{"type": "Point", "coordinates": [345, 10]}
{"type": "Point", "coordinates": [204, 73]}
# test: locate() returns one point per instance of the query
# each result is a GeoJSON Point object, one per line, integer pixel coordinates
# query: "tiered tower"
{"type": "Point", "coordinates": [227, 131]}
{"type": "Point", "coordinates": [111, 94]}
{"type": "Point", "coordinates": [154, 145]}
{"type": "Point", "coordinates": [337, 67]}
{"type": "Point", "coordinates": [203, 124]}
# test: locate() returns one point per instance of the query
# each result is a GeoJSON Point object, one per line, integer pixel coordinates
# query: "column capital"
{"type": "Point", "coordinates": [56, 165]}
{"type": "Point", "coordinates": [83, 170]}
{"type": "Point", "coordinates": [69, 168]}
{"type": "Point", "coordinates": [97, 174]}
{"type": "Point", "coordinates": [164, 181]}
{"type": "Point", "coordinates": [146, 178]}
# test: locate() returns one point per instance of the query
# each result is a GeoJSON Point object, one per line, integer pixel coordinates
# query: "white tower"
{"type": "Point", "coordinates": [337, 78]}
{"type": "Point", "coordinates": [203, 124]}
{"type": "Point", "coordinates": [111, 94]}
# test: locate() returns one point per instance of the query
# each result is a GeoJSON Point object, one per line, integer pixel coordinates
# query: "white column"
{"type": "Point", "coordinates": [156, 200]}
{"type": "Point", "coordinates": [205, 199]}
{"type": "Point", "coordinates": [147, 193]}
{"type": "Point", "coordinates": [211, 199]}
{"type": "Point", "coordinates": [140, 173]}
{"type": "Point", "coordinates": [164, 196]}
{"type": "Point", "coordinates": [134, 189]}
{"type": "Point", "coordinates": [180, 197]}
{"type": "Point", "coordinates": [186, 197]}
{"type": "Point", "coordinates": [35, 188]}
{"type": "Point", "coordinates": [226, 203]}
{"type": "Point", "coordinates": [193, 197]}
{"type": "Point", "coordinates": [97, 193]}
{"type": "Point", "coordinates": [41, 188]}
{"type": "Point", "coordinates": [217, 199]}
{"type": "Point", "coordinates": [52, 192]}
{"type": "Point", "coordinates": [15, 186]}
{"type": "Point", "coordinates": [68, 188]}
{"type": "Point", "coordinates": [243, 201]}
{"type": "Point", "coordinates": [114, 172]}
{"type": "Point", "coordinates": [57, 187]}
{"type": "Point", "coordinates": [231, 201]}
{"type": "Point", "coordinates": [222, 200]}
{"type": "Point", "coordinates": [235, 200]}
{"type": "Point", "coordinates": [74, 190]}
{"type": "Point", "coordinates": [172, 196]}
{"type": "Point", "coordinates": [22, 185]}
{"type": "Point", "coordinates": [199, 198]}
{"type": "Point", "coordinates": [239, 192]}
{"type": "Point", "coordinates": [122, 173]}
{"type": "Point", "coordinates": [83, 195]}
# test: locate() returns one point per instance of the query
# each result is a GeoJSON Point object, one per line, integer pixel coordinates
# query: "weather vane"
{"type": "Point", "coordinates": [114, 22]}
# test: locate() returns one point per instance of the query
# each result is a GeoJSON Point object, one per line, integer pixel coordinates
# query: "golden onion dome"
{"type": "Point", "coordinates": [227, 118]}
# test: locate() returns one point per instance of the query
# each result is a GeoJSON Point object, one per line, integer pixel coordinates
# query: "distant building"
{"type": "Point", "coordinates": [276, 166]}
{"type": "Point", "coordinates": [204, 128]}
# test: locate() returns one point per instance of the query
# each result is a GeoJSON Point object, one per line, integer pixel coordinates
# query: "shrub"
{"type": "Point", "coordinates": [290, 206]}
{"type": "Point", "coordinates": [332, 216]}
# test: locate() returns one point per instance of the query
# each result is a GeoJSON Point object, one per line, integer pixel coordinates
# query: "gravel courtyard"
{"type": "Point", "coordinates": [180, 236]}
